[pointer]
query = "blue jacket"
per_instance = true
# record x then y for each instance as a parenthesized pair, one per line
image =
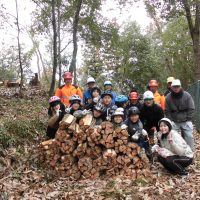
(86, 96)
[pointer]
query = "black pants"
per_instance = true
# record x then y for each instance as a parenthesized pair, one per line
(51, 132)
(175, 164)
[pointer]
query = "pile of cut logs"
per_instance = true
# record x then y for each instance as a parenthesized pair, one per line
(81, 149)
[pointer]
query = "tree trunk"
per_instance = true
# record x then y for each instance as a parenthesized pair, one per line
(59, 47)
(195, 34)
(53, 81)
(72, 67)
(19, 51)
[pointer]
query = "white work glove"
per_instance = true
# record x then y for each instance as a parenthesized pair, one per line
(58, 112)
(67, 110)
(136, 136)
(144, 133)
(85, 112)
(78, 113)
(96, 99)
(155, 148)
(108, 118)
(124, 126)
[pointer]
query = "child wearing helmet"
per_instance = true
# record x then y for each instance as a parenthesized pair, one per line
(56, 112)
(150, 115)
(95, 97)
(75, 104)
(118, 117)
(173, 151)
(108, 87)
(106, 99)
(135, 129)
(98, 112)
(87, 98)
(121, 101)
(134, 100)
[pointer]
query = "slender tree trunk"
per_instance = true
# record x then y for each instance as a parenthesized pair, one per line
(72, 67)
(53, 81)
(38, 65)
(36, 45)
(19, 50)
(194, 29)
(59, 47)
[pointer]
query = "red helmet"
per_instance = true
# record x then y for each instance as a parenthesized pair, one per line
(133, 95)
(67, 75)
(153, 83)
(53, 99)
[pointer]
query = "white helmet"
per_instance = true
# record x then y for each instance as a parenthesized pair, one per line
(118, 111)
(107, 83)
(176, 82)
(90, 80)
(148, 95)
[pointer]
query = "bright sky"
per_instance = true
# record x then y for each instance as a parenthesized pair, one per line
(8, 34)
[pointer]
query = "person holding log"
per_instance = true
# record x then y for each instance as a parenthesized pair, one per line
(135, 130)
(98, 112)
(151, 113)
(95, 96)
(56, 112)
(106, 99)
(173, 152)
(118, 117)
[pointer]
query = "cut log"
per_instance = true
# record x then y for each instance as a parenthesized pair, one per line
(66, 121)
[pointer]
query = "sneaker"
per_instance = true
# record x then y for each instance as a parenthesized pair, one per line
(183, 173)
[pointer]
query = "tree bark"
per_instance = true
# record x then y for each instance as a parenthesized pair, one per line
(72, 67)
(194, 32)
(59, 47)
(19, 51)
(55, 61)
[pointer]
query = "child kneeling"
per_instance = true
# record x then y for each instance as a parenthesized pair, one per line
(135, 130)
(173, 152)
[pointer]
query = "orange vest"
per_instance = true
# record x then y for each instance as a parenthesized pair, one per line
(66, 91)
(159, 99)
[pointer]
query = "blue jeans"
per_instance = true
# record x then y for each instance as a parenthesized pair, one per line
(187, 132)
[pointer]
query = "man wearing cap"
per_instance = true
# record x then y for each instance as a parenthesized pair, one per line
(108, 87)
(150, 115)
(158, 98)
(87, 98)
(180, 110)
(67, 90)
(169, 82)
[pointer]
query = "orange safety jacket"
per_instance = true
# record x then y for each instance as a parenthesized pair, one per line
(66, 91)
(159, 99)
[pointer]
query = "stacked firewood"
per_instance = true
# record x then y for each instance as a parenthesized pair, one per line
(81, 149)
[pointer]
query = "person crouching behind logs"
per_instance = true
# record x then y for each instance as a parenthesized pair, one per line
(173, 152)
(136, 132)
(117, 117)
(98, 112)
(56, 112)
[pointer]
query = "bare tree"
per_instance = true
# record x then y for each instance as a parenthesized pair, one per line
(19, 49)
(72, 67)
(55, 61)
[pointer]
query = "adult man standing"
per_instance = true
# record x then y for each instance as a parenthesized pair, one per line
(180, 109)
(87, 98)
(158, 98)
(67, 90)
(169, 82)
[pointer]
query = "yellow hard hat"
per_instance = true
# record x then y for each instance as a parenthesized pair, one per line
(170, 79)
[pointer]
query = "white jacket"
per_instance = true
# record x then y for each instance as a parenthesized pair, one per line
(174, 144)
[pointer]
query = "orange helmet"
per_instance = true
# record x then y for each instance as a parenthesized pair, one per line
(67, 75)
(133, 95)
(153, 83)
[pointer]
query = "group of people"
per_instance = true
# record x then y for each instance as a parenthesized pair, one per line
(160, 124)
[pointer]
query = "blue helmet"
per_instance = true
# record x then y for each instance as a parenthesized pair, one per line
(121, 99)
(107, 83)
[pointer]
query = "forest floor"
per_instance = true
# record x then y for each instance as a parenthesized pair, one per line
(22, 128)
